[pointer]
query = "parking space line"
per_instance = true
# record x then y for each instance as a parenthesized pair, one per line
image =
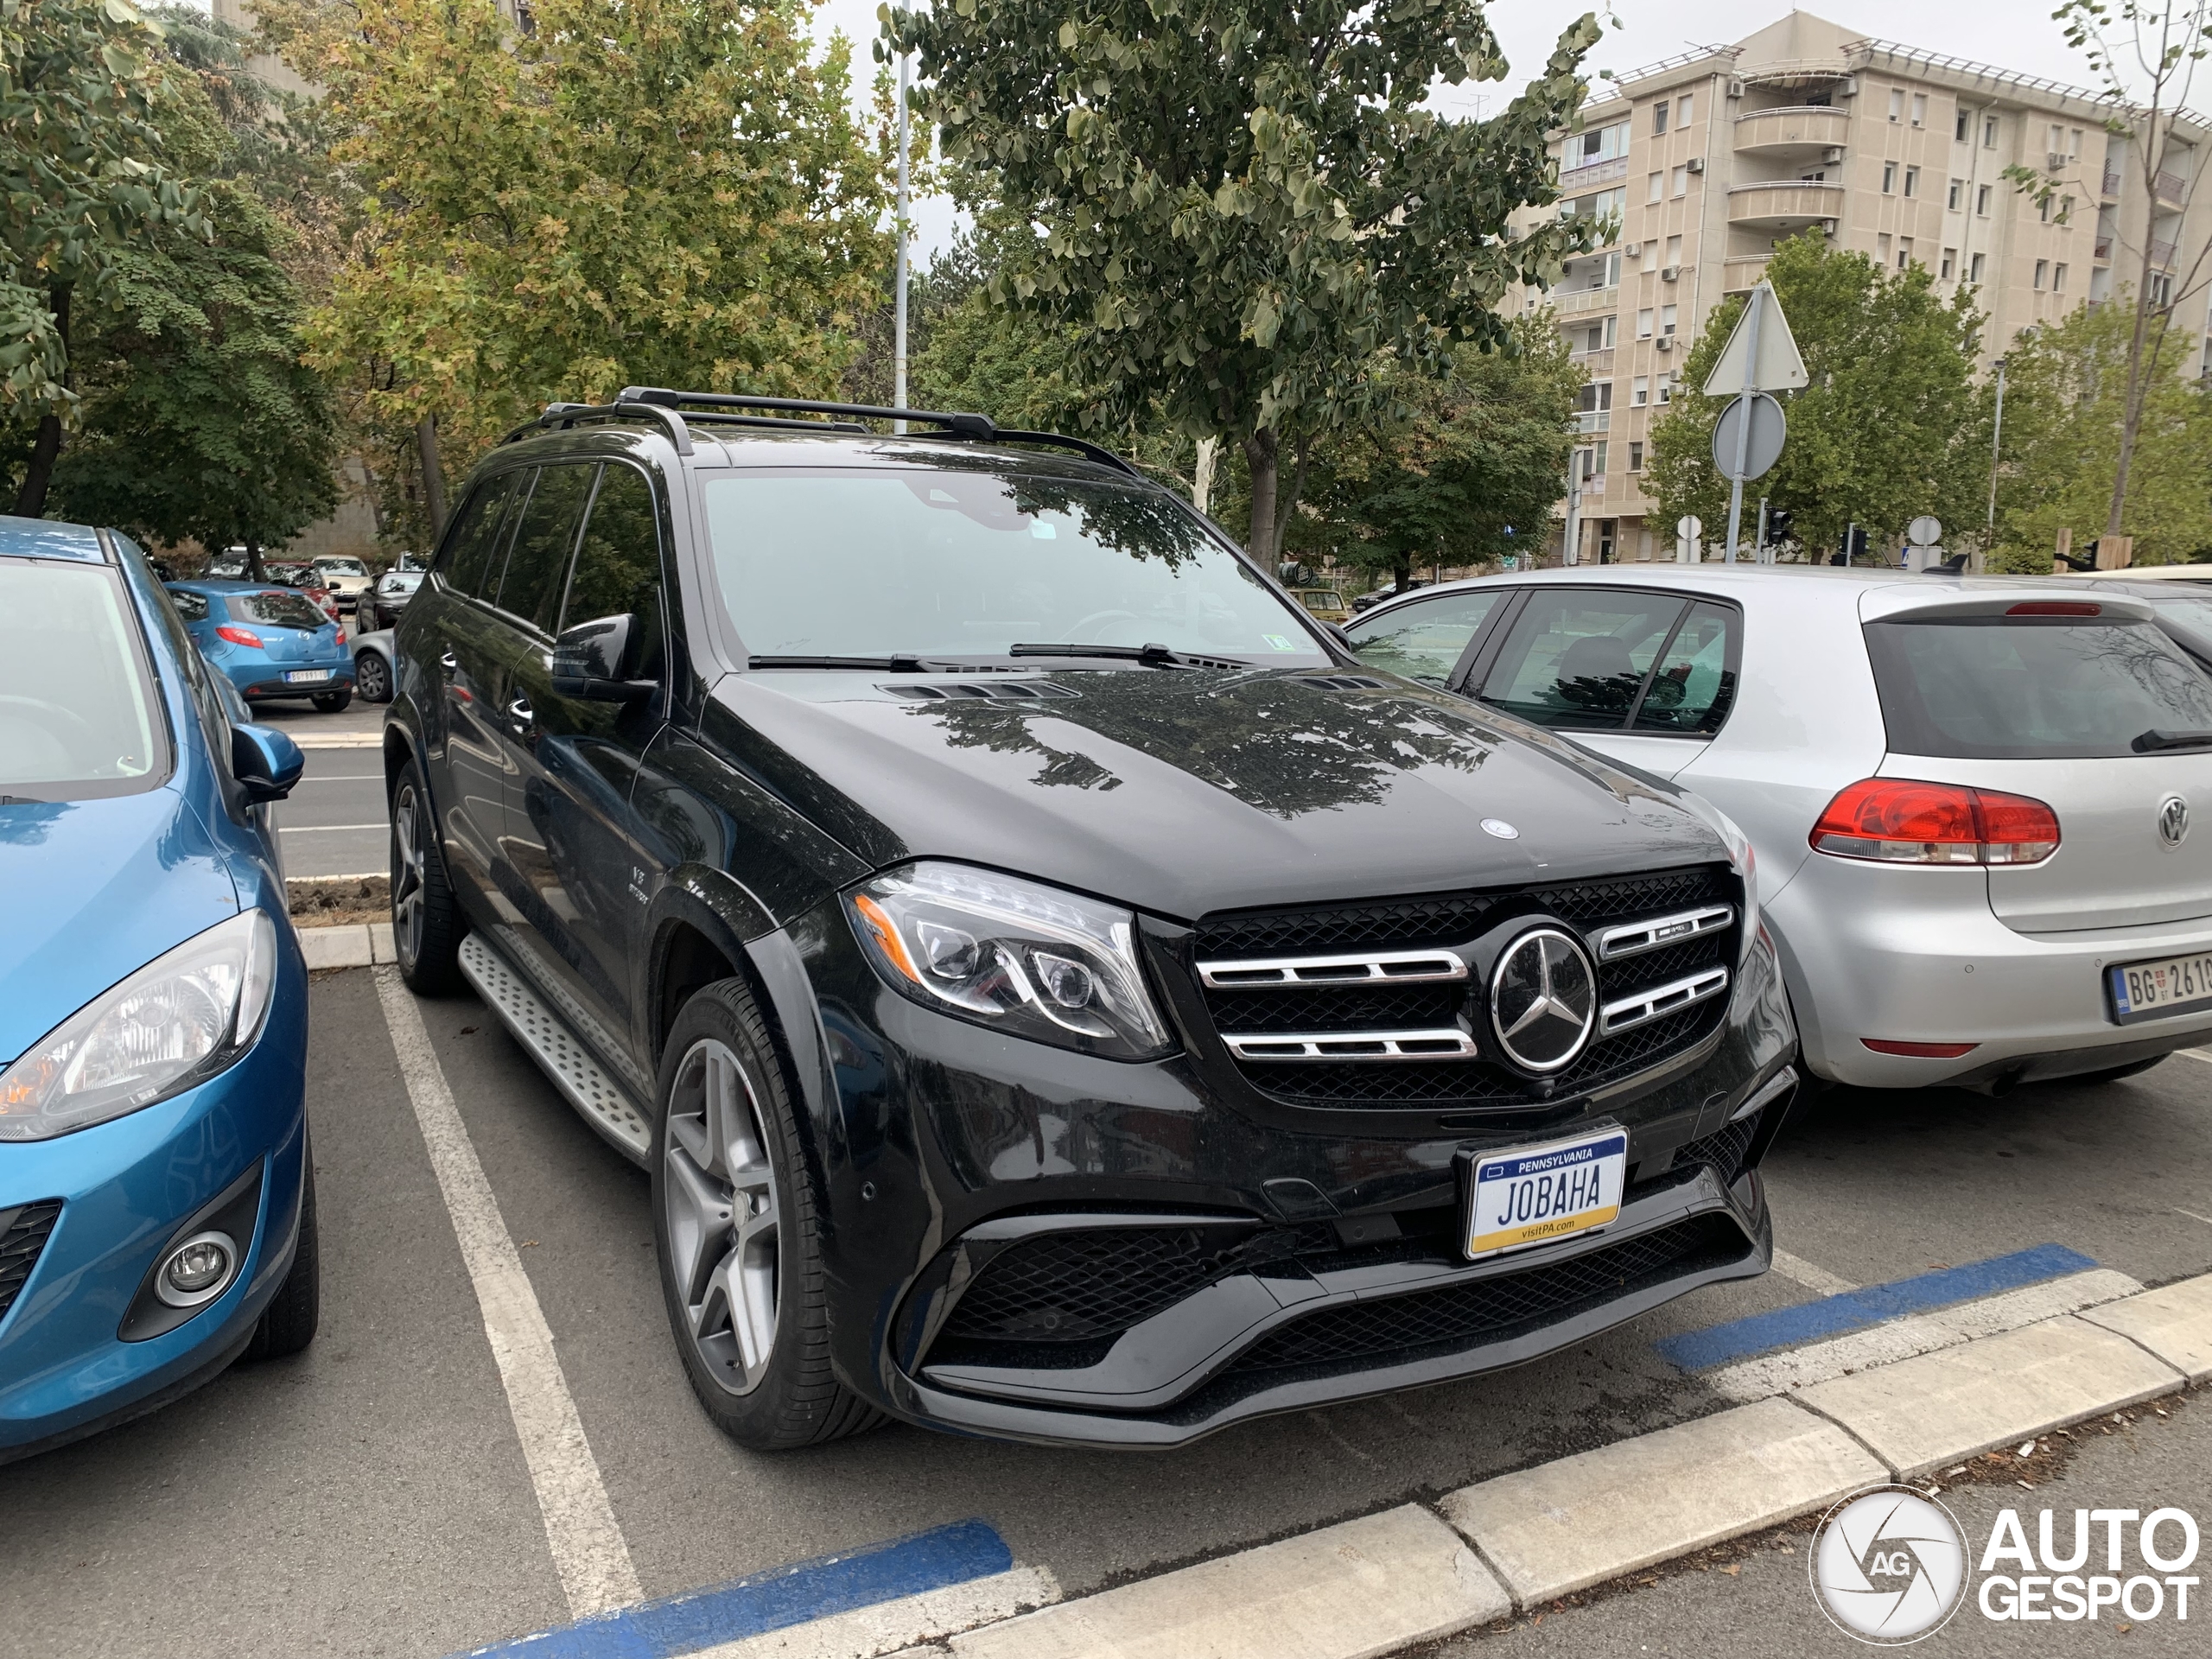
(590, 1552)
(1800, 1271)
(1696, 1350)
(319, 829)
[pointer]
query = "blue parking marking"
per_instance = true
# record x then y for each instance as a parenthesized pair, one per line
(773, 1601)
(1697, 1351)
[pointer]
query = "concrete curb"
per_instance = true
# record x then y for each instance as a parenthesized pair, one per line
(363, 944)
(337, 739)
(2175, 1324)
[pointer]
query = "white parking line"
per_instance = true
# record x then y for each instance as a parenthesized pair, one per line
(1800, 1271)
(317, 829)
(590, 1552)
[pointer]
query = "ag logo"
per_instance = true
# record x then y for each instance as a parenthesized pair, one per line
(1889, 1565)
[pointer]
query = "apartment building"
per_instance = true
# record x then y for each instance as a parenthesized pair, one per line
(1710, 160)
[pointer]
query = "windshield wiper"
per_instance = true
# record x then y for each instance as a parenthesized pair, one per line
(1150, 656)
(882, 665)
(2156, 741)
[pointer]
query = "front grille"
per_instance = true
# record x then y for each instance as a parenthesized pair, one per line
(1457, 919)
(20, 1244)
(1494, 1309)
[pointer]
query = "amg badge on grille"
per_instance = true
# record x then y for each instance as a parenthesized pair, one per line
(1543, 1000)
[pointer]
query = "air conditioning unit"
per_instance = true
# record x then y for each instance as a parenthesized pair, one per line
(1847, 87)
(1832, 154)
(1695, 164)
(1735, 89)
(1664, 343)
(1827, 228)
(1670, 273)
(1632, 251)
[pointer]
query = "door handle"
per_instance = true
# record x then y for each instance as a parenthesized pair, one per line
(450, 663)
(521, 710)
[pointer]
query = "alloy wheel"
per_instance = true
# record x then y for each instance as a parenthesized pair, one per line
(407, 912)
(723, 1213)
(372, 673)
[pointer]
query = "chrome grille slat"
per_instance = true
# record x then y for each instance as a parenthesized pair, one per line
(1450, 1043)
(1660, 1001)
(1358, 968)
(1658, 932)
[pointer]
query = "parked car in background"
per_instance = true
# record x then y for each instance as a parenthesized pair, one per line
(2160, 573)
(1056, 997)
(1323, 604)
(1971, 799)
(228, 565)
(382, 603)
(1369, 601)
(375, 662)
(347, 577)
(268, 643)
(298, 574)
(157, 1216)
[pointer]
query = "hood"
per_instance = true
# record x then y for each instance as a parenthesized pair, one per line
(93, 891)
(1182, 792)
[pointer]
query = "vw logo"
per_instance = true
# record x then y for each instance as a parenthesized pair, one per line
(1543, 1000)
(2173, 820)
(1889, 1565)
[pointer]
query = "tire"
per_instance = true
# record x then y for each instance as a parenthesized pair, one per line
(373, 677)
(426, 925)
(2091, 1079)
(288, 1322)
(736, 1226)
(333, 702)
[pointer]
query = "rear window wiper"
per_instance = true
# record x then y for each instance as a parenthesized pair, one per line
(2158, 741)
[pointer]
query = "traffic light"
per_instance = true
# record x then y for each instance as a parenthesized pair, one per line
(1853, 546)
(1777, 526)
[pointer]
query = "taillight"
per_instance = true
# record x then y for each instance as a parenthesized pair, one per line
(238, 636)
(1920, 1051)
(341, 636)
(1903, 821)
(2054, 607)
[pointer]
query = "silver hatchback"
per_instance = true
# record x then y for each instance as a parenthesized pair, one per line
(1971, 799)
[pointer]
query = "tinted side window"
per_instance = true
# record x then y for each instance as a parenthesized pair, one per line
(618, 567)
(1696, 685)
(1576, 657)
(537, 564)
(1423, 641)
(469, 542)
(192, 607)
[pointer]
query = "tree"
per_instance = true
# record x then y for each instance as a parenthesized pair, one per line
(1469, 469)
(2067, 387)
(81, 177)
(2146, 53)
(1243, 206)
(663, 192)
(1890, 425)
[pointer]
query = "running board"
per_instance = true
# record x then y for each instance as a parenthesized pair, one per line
(604, 1103)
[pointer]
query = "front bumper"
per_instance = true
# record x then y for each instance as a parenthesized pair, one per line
(1904, 953)
(125, 1188)
(940, 1143)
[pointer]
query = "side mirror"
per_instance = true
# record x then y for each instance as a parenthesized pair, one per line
(265, 762)
(594, 661)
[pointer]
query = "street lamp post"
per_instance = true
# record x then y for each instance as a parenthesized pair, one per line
(899, 303)
(1996, 439)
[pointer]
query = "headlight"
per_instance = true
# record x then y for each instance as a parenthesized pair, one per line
(1016, 956)
(176, 1022)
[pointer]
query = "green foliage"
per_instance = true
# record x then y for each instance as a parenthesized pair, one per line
(1245, 208)
(2065, 397)
(1890, 425)
(1470, 454)
(660, 192)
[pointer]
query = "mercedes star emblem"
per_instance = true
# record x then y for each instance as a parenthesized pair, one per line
(1543, 1000)
(2173, 820)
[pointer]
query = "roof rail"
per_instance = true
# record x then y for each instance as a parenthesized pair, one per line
(978, 427)
(559, 417)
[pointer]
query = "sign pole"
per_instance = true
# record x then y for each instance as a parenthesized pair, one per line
(1744, 429)
(899, 279)
(1759, 548)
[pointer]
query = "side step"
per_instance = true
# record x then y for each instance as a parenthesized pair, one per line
(605, 1104)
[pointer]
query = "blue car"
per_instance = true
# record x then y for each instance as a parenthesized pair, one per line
(157, 1199)
(268, 641)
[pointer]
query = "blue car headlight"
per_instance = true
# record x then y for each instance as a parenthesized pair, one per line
(185, 1016)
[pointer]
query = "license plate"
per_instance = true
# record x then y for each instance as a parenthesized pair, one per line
(306, 676)
(2145, 990)
(1533, 1195)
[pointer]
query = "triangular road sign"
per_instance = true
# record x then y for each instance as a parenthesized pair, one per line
(1779, 368)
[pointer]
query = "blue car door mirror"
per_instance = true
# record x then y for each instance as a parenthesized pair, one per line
(265, 762)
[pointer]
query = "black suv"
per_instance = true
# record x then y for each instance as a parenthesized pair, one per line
(1059, 994)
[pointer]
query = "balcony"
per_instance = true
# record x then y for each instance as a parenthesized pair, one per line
(1786, 205)
(2103, 254)
(2162, 255)
(1741, 275)
(1569, 303)
(2112, 181)
(1598, 365)
(1589, 177)
(1593, 420)
(2170, 187)
(1795, 130)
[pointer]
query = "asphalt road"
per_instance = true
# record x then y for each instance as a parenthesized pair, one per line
(335, 822)
(370, 1497)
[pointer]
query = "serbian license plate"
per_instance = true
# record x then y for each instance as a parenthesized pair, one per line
(1533, 1195)
(306, 676)
(2145, 990)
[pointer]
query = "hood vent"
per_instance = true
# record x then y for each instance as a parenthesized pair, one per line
(971, 691)
(1342, 682)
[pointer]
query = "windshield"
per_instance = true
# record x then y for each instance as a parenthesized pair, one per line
(278, 609)
(77, 716)
(945, 561)
(2001, 688)
(341, 567)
